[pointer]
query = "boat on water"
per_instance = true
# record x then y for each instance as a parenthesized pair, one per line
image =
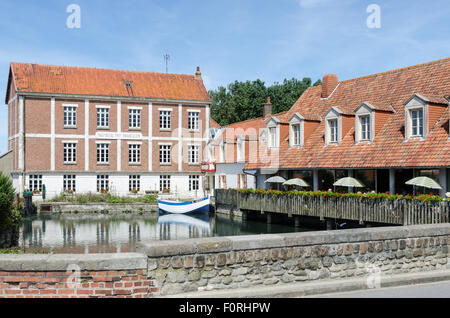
(177, 207)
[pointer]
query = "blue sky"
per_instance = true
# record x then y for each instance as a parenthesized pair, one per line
(229, 39)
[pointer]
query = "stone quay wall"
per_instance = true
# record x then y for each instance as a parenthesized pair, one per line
(110, 208)
(74, 276)
(267, 260)
(174, 267)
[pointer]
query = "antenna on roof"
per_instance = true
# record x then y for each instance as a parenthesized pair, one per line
(166, 60)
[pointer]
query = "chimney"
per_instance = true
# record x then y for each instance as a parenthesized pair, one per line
(267, 108)
(198, 74)
(329, 83)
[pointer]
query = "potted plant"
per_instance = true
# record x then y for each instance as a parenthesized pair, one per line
(36, 192)
(166, 190)
(134, 191)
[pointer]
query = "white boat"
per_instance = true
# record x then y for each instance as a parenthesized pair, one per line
(184, 220)
(177, 207)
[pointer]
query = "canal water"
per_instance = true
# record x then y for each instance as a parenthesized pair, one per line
(101, 233)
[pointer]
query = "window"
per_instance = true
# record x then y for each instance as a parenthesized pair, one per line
(240, 150)
(70, 153)
(222, 151)
(194, 183)
(134, 183)
(102, 183)
(296, 134)
(333, 124)
(35, 182)
(164, 183)
(103, 153)
(164, 154)
(134, 153)
(365, 128)
(102, 117)
(193, 154)
(272, 137)
(222, 181)
(134, 118)
(69, 182)
(70, 116)
(193, 120)
(417, 122)
(242, 181)
(164, 119)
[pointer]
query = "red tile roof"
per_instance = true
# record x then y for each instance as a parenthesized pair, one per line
(213, 123)
(388, 149)
(35, 78)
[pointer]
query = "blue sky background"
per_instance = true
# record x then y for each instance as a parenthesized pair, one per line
(229, 39)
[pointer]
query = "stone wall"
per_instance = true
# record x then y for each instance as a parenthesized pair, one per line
(244, 261)
(174, 267)
(67, 207)
(55, 276)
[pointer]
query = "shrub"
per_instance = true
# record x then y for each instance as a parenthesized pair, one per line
(9, 214)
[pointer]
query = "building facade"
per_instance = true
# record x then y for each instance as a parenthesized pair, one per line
(383, 129)
(93, 130)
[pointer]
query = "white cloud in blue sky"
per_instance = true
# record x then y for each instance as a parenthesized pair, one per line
(229, 39)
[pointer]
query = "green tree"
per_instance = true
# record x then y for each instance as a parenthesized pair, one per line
(9, 215)
(243, 100)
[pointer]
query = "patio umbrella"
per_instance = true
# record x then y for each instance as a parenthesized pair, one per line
(275, 179)
(297, 182)
(349, 182)
(425, 182)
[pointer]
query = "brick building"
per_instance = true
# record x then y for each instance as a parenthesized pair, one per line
(88, 129)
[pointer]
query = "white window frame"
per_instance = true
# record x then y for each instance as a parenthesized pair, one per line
(35, 182)
(102, 153)
(194, 183)
(102, 182)
(165, 116)
(164, 182)
(222, 151)
(366, 127)
(69, 152)
(134, 153)
(165, 152)
(70, 115)
(103, 117)
(296, 136)
(240, 149)
(194, 120)
(134, 117)
(134, 182)
(417, 123)
(193, 154)
(415, 104)
(69, 182)
(333, 115)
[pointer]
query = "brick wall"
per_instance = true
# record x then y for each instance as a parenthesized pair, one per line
(51, 276)
(26, 284)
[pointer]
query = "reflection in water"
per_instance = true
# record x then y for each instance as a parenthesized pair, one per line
(94, 233)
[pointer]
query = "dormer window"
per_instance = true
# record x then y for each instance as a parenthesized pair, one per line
(273, 132)
(416, 120)
(296, 123)
(333, 126)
